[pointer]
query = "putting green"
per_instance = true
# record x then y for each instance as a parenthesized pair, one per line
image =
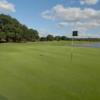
(44, 71)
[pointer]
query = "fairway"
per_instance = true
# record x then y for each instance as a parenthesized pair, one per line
(45, 71)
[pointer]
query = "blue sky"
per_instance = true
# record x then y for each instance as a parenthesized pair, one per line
(41, 15)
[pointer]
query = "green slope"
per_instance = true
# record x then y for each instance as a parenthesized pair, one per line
(44, 71)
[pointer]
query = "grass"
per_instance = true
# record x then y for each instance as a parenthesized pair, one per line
(44, 71)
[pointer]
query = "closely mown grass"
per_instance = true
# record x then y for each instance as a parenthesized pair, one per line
(45, 71)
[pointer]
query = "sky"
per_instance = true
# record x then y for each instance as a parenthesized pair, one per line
(56, 17)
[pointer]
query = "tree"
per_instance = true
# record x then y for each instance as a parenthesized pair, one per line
(43, 39)
(57, 38)
(50, 38)
(11, 30)
(64, 38)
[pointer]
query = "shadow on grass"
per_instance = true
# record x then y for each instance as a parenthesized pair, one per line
(3, 97)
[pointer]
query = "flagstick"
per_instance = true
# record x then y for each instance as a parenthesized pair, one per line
(72, 48)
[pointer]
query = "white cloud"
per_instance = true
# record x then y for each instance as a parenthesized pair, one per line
(88, 25)
(47, 15)
(89, 2)
(84, 19)
(81, 26)
(70, 14)
(6, 6)
(63, 24)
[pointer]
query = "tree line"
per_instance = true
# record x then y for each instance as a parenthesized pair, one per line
(52, 38)
(11, 30)
(60, 38)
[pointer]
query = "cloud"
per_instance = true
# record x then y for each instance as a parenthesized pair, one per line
(63, 24)
(83, 19)
(89, 2)
(47, 15)
(81, 26)
(70, 14)
(88, 25)
(6, 6)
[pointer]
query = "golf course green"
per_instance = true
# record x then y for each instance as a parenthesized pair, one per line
(45, 71)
